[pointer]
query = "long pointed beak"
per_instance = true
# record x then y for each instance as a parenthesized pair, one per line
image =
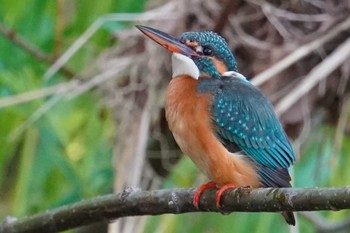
(167, 41)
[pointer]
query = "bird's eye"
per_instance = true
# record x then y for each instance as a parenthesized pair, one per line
(207, 51)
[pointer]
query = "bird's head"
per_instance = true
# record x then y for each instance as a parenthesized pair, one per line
(195, 53)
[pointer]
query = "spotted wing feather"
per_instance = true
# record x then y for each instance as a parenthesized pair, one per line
(244, 117)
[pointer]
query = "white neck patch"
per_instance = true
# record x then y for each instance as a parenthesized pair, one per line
(183, 65)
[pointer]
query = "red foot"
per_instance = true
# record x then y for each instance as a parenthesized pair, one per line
(200, 190)
(220, 192)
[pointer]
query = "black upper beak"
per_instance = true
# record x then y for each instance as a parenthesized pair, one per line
(167, 41)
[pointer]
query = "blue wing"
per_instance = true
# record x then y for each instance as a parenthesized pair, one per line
(245, 118)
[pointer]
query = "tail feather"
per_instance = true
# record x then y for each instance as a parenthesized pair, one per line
(270, 177)
(289, 217)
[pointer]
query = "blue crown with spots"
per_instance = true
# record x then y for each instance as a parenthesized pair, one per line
(219, 47)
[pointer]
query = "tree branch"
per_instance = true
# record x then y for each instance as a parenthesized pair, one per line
(317, 74)
(134, 203)
(39, 55)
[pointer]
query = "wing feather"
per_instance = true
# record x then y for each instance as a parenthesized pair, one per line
(244, 116)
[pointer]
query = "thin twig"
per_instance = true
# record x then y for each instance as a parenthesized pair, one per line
(73, 89)
(340, 132)
(320, 72)
(35, 116)
(35, 52)
(292, 16)
(300, 53)
(282, 29)
(96, 25)
(37, 94)
(105, 76)
(323, 225)
(249, 40)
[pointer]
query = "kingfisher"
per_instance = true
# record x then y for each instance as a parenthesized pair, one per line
(220, 120)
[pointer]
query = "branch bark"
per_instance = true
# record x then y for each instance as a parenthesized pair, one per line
(135, 203)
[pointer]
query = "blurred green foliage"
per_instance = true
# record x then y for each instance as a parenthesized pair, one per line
(66, 155)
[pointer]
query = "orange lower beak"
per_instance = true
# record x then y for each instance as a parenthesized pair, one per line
(169, 42)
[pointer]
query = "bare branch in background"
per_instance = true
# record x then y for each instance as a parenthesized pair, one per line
(68, 90)
(318, 73)
(300, 53)
(323, 225)
(35, 52)
(37, 94)
(95, 26)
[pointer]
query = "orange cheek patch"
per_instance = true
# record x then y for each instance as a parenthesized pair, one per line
(220, 66)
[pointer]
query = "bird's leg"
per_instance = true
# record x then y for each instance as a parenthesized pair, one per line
(220, 192)
(200, 190)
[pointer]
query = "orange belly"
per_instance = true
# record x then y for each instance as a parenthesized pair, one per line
(188, 116)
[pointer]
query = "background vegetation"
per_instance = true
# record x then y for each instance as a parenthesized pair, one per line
(59, 146)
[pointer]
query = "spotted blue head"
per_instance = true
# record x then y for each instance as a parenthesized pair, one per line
(215, 57)
(196, 53)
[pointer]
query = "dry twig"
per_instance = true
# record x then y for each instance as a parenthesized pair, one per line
(119, 17)
(318, 73)
(300, 53)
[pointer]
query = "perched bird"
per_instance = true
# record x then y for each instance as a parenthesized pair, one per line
(220, 120)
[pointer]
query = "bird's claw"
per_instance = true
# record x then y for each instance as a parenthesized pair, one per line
(220, 192)
(199, 192)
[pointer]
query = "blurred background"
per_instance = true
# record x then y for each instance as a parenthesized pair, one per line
(82, 95)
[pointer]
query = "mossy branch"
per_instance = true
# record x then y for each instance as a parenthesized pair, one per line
(176, 201)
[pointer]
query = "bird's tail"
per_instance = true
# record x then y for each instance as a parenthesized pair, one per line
(271, 177)
(289, 217)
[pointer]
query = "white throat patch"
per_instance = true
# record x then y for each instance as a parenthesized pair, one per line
(183, 65)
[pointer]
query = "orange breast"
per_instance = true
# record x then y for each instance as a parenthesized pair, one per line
(188, 116)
